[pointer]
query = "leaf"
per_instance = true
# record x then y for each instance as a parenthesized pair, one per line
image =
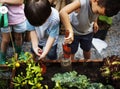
(106, 19)
(35, 80)
(30, 82)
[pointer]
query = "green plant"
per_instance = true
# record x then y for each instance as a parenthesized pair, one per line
(30, 75)
(106, 19)
(111, 68)
(71, 80)
(31, 79)
(22, 58)
(104, 22)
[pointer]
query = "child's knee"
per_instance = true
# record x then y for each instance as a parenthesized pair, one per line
(6, 41)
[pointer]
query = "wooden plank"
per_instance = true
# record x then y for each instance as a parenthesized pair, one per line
(13, 73)
(74, 60)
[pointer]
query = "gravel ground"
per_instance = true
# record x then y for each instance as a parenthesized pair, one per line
(112, 39)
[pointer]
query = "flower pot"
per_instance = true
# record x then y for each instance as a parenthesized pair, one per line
(101, 34)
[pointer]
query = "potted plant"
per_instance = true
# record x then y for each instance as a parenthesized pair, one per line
(104, 24)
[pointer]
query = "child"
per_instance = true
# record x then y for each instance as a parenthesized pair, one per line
(43, 23)
(17, 23)
(80, 17)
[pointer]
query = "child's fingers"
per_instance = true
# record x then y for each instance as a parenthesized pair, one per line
(68, 40)
(41, 58)
(40, 51)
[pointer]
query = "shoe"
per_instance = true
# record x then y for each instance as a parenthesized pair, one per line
(18, 49)
(2, 58)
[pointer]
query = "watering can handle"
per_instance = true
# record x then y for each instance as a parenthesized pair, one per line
(3, 16)
(0, 16)
(5, 20)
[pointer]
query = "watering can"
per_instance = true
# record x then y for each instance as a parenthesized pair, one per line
(3, 16)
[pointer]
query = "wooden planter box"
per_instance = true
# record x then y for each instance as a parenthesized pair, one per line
(90, 68)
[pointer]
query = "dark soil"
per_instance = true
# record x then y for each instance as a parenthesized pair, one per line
(90, 69)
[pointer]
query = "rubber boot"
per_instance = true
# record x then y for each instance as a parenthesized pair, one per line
(2, 58)
(18, 49)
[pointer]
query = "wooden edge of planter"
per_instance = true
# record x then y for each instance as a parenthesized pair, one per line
(59, 60)
(74, 60)
(3, 66)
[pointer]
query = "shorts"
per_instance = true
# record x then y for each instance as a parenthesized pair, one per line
(18, 28)
(52, 54)
(29, 26)
(85, 43)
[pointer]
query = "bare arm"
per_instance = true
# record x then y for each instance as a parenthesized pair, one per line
(12, 2)
(34, 41)
(48, 46)
(95, 26)
(64, 16)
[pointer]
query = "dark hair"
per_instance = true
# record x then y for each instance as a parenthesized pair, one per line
(112, 7)
(37, 11)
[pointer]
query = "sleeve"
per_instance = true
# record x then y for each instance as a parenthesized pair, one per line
(29, 26)
(54, 30)
(82, 2)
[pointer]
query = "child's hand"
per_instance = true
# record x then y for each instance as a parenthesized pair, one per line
(38, 51)
(69, 39)
(42, 56)
(95, 27)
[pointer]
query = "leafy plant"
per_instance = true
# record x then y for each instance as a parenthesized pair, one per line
(104, 22)
(71, 80)
(31, 75)
(16, 60)
(111, 68)
(106, 19)
(31, 79)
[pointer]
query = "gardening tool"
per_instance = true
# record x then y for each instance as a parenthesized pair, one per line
(3, 16)
(66, 61)
(3, 23)
(42, 63)
(66, 48)
(2, 58)
(42, 66)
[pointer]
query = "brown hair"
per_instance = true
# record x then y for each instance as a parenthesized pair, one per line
(112, 7)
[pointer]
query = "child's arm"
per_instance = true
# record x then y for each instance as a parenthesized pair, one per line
(34, 40)
(48, 46)
(64, 16)
(95, 26)
(12, 2)
(51, 39)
